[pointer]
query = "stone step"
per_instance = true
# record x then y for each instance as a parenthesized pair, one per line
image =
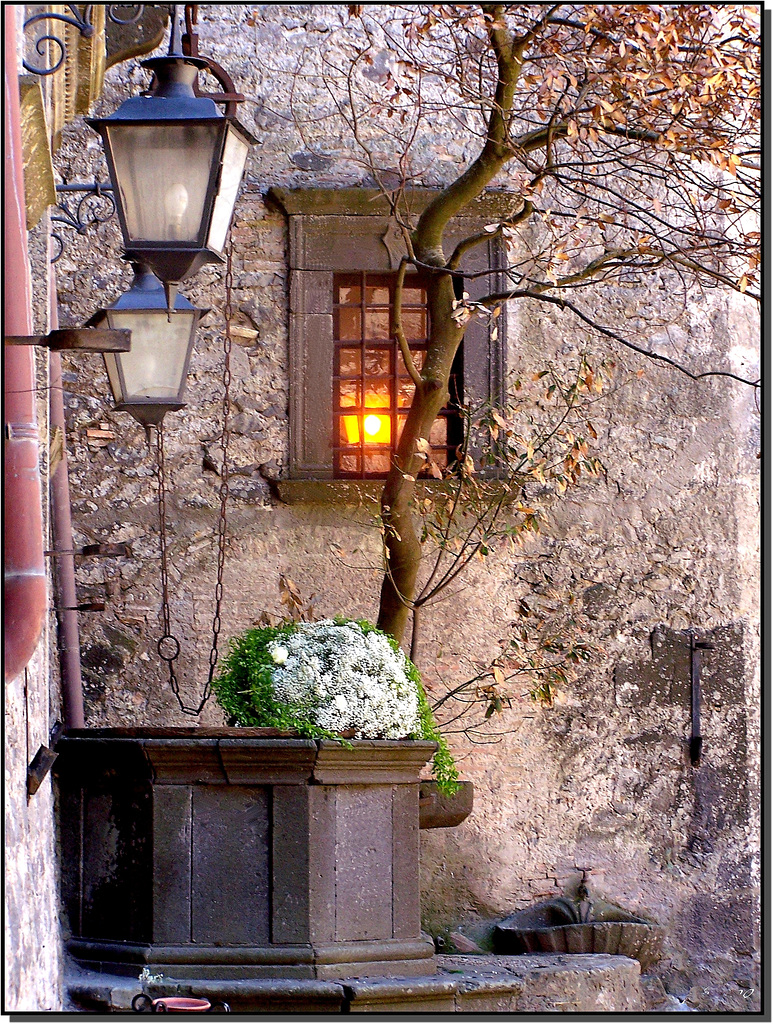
(547, 982)
(469, 983)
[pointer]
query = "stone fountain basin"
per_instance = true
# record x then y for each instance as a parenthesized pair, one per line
(552, 927)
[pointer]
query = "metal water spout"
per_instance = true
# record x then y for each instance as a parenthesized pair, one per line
(584, 902)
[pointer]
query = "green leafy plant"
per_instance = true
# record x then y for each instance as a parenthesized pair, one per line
(330, 679)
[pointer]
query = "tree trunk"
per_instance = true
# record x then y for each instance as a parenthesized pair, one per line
(402, 546)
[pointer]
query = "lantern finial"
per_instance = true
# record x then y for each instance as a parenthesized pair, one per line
(175, 39)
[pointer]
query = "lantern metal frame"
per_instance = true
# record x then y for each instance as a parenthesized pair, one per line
(173, 103)
(146, 295)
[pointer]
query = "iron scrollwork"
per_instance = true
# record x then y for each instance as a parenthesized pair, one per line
(80, 21)
(112, 14)
(79, 214)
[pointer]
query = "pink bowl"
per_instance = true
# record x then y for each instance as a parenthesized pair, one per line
(180, 1004)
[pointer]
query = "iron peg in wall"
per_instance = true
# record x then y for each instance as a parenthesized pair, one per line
(94, 550)
(43, 760)
(696, 648)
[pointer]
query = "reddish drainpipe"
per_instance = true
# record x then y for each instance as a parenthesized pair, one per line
(64, 564)
(24, 589)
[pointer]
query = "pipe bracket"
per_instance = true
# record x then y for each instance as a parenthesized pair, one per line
(83, 339)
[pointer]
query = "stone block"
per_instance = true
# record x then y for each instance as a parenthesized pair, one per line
(589, 983)
(364, 862)
(400, 995)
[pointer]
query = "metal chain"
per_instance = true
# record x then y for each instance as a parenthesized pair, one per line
(168, 645)
(225, 437)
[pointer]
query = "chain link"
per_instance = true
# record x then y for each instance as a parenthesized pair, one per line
(222, 522)
(168, 646)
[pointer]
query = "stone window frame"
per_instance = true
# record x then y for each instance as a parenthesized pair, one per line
(350, 229)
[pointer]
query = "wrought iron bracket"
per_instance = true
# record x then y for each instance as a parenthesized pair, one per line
(78, 214)
(190, 47)
(81, 21)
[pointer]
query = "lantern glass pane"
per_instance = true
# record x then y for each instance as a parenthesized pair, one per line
(113, 376)
(156, 365)
(162, 173)
(234, 159)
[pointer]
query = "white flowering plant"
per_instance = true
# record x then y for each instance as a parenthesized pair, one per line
(329, 679)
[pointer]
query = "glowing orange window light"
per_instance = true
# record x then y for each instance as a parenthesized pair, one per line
(374, 424)
(376, 428)
(351, 429)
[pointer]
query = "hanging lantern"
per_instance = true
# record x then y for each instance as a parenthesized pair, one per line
(175, 162)
(149, 380)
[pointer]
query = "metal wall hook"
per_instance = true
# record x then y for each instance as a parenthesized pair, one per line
(43, 761)
(697, 646)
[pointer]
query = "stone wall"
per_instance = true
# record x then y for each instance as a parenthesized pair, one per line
(664, 540)
(32, 939)
(32, 934)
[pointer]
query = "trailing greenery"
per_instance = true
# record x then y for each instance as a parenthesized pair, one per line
(443, 764)
(246, 688)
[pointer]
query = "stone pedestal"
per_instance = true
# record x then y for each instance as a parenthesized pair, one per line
(232, 854)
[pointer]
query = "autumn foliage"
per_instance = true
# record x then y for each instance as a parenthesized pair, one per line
(629, 133)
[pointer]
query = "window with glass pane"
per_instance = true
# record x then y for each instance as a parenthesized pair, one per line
(372, 390)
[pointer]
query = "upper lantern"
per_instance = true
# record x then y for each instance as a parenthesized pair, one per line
(175, 162)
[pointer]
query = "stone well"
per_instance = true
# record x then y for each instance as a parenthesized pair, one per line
(230, 853)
